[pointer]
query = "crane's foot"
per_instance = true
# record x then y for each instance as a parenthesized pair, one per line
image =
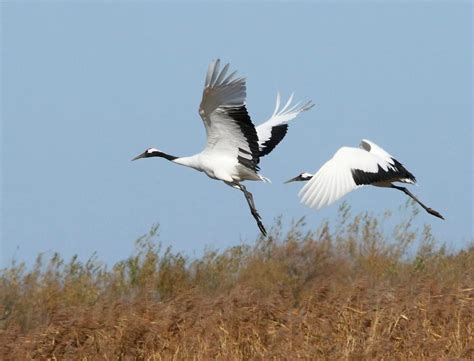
(434, 213)
(262, 229)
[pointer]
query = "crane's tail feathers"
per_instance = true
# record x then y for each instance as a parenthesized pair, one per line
(265, 179)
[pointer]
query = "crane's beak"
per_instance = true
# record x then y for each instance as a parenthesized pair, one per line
(297, 178)
(143, 155)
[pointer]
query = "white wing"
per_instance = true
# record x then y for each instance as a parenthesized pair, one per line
(274, 129)
(336, 178)
(228, 126)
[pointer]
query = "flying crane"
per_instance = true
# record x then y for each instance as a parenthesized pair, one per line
(351, 168)
(234, 145)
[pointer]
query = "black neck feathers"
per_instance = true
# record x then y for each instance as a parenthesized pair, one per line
(157, 153)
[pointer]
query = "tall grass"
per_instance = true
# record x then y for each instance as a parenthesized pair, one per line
(356, 289)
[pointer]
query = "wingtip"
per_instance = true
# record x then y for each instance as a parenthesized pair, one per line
(307, 106)
(304, 107)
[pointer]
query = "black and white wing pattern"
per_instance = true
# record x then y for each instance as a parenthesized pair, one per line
(349, 169)
(274, 129)
(397, 172)
(228, 126)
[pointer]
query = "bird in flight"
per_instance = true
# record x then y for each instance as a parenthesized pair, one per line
(351, 168)
(234, 145)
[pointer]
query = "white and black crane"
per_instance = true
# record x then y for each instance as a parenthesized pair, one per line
(351, 168)
(234, 146)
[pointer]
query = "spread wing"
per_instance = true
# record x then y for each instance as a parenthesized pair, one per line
(349, 169)
(334, 179)
(274, 129)
(228, 126)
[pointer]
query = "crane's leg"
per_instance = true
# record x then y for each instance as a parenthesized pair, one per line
(409, 194)
(253, 209)
(250, 197)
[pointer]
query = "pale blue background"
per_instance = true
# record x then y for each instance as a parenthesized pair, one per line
(86, 86)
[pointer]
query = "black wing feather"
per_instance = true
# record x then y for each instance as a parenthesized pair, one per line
(390, 175)
(242, 119)
(278, 133)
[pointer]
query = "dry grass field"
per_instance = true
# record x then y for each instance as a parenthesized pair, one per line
(358, 289)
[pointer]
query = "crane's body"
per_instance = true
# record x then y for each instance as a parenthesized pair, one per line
(233, 148)
(351, 168)
(219, 167)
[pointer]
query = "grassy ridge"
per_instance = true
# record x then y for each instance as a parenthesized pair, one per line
(345, 291)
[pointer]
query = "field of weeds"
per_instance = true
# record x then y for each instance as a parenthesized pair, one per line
(353, 290)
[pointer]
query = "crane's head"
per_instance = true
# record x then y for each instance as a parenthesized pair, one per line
(150, 152)
(303, 177)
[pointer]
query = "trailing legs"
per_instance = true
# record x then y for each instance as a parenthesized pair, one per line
(253, 209)
(409, 194)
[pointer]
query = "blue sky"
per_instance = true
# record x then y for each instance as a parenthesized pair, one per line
(86, 86)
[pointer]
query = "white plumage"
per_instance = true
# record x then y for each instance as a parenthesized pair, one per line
(334, 179)
(351, 168)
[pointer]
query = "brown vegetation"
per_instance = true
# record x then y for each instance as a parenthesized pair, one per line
(351, 291)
